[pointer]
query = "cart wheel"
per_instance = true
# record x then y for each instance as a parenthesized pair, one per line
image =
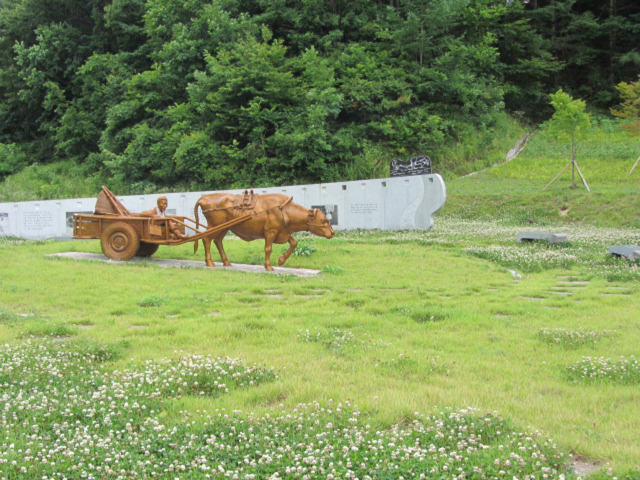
(147, 249)
(119, 241)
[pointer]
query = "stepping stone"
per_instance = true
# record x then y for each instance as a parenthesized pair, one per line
(548, 237)
(569, 287)
(632, 252)
(533, 298)
(560, 293)
(574, 282)
(582, 467)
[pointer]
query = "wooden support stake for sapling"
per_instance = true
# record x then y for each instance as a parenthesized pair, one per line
(582, 177)
(556, 177)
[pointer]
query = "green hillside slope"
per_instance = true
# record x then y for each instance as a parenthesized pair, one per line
(514, 190)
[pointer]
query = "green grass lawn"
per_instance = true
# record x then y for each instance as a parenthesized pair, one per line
(451, 353)
(400, 323)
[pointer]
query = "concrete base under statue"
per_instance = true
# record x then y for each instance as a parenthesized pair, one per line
(169, 262)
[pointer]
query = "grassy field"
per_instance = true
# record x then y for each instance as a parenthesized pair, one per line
(451, 353)
(399, 323)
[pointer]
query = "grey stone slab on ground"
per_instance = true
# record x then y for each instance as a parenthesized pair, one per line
(549, 237)
(168, 262)
(632, 252)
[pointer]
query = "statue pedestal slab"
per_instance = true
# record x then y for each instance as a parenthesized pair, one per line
(173, 263)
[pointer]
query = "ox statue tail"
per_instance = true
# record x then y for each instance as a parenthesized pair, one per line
(195, 214)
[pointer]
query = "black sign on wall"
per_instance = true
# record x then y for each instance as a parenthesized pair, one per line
(331, 212)
(415, 166)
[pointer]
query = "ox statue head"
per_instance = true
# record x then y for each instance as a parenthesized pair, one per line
(318, 224)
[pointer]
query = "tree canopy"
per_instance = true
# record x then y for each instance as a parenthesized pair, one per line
(227, 93)
(630, 107)
(570, 118)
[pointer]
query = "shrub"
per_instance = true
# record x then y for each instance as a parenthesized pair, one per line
(570, 339)
(153, 301)
(601, 369)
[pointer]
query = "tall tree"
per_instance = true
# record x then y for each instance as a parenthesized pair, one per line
(596, 42)
(44, 45)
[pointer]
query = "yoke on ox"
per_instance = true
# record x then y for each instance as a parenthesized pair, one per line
(273, 217)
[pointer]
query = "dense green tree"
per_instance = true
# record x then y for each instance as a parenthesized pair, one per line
(630, 107)
(46, 44)
(100, 83)
(595, 41)
(528, 67)
(258, 115)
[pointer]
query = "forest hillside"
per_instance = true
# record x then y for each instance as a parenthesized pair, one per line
(211, 94)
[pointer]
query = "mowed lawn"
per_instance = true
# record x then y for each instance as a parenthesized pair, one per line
(403, 322)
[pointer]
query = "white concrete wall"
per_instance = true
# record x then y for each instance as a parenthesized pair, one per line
(397, 203)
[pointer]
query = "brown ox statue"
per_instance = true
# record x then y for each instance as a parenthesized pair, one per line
(274, 217)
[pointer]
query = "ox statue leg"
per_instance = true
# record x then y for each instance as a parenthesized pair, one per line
(269, 237)
(206, 243)
(293, 243)
(218, 241)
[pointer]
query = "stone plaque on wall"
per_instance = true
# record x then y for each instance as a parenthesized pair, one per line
(37, 221)
(364, 208)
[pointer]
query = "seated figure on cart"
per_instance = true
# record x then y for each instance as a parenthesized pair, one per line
(160, 211)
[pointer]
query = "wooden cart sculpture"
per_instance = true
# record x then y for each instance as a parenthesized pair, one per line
(124, 235)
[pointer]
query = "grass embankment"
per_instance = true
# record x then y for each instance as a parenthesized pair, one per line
(514, 189)
(399, 323)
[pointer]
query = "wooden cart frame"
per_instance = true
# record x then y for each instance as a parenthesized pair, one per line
(124, 235)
